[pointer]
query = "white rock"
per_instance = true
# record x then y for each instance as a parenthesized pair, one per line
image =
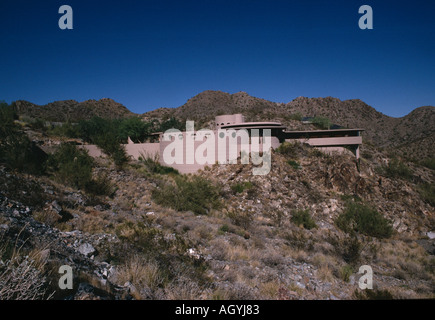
(431, 234)
(86, 249)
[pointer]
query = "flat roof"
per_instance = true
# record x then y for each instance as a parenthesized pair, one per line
(254, 125)
(325, 131)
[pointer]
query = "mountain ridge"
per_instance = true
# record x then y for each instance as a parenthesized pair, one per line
(412, 134)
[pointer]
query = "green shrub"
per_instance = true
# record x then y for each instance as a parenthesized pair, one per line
(16, 150)
(224, 228)
(241, 219)
(429, 163)
(7, 117)
(153, 165)
(427, 192)
(141, 235)
(296, 116)
(192, 193)
(110, 145)
(302, 217)
(396, 169)
(350, 250)
(358, 217)
(321, 122)
(376, 294)
(292, 149)
(67, 129)
(72, 166)
(345, 273)
(101, 186)
(241, 186)
(294, 164)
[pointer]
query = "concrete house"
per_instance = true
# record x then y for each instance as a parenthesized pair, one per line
(229, 139)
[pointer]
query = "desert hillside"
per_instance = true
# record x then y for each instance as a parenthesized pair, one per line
(139, 230)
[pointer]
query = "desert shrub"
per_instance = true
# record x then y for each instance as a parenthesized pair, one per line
(106, 135)
(429, 163)
(18, 152)
(321, 122)
(294, 164)
(16, 149)
(141, 235)
(345, 273)
(7, 117)
(110, 145)
(144, 274)
(72, 165)
(358, 217)
(241, 186)
(153, 165)
(349, 249)
(296, 116)
(241, 218)
(67, 129)
(396, 169)
(192, 193)
(22, 276)
(302, 217)
(292, 149)
(299, 238)
(224, 228)
(376, 294)
(101, 186)
(38, 124)
(183, 288)
(427, 192)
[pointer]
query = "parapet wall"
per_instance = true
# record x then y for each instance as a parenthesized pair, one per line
(228, 119)
(134, 150)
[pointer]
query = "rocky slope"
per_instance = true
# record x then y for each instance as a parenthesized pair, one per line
(129, 247)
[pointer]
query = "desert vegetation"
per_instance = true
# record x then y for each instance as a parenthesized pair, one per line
(140, 230)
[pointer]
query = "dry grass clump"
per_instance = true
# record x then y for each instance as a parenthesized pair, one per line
(327, 266)
(23, 276)
(144, 275)
(48, 217)
(409, 260)
(184, 288)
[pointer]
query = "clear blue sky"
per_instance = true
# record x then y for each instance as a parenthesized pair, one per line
(150, 54)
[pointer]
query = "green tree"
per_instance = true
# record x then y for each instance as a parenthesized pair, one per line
(134, 128)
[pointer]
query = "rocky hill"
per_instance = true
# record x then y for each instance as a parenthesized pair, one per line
(73, 111)
(410, 135)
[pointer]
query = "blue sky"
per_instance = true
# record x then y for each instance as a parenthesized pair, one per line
(150, 54)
